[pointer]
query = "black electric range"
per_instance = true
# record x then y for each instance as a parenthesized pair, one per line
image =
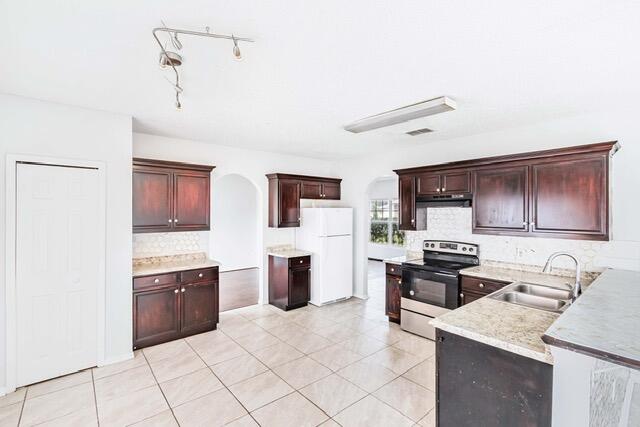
(431, 285)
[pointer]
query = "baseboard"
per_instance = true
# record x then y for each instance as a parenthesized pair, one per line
(361, 296)
(116, 359)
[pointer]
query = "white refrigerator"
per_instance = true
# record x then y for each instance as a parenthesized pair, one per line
(327, 234)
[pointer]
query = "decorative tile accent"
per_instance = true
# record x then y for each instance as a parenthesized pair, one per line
(157, 244)
(455, 224)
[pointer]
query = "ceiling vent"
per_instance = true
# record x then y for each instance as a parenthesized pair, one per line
(419, 131)
(403, 114)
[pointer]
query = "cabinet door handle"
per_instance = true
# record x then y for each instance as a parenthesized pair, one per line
(444, 189)
(170, 221)
(481, 285)
(156, 280)
(437, 190)
(461, 299)
(525, 223)
(182, 290)
(175, 291)
(200, 275)
(175, 220)
(532, 225)
(301, 261)
(392, 270)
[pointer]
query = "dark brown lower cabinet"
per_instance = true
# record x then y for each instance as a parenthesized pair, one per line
(289, 282)
(478, 384)
(473, 288)
(163, 311)
(393, 292)
(156, 316)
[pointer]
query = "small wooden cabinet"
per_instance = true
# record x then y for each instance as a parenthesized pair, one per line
(443, 183)
(170, 196)
(473, 288)
(407, 202)
(393, 291)
(174, 305)
(285, 192)
(289, 281)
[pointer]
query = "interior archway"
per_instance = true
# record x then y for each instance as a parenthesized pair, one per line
(235, 241)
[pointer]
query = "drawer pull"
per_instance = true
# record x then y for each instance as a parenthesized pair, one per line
(392, 270)
(481, 285)
(182, 290)
(156, 280)
(200, 275)
(175, 291)
(301, 261)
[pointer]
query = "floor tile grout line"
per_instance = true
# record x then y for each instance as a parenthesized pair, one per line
(24, 402)
(161, 391)
(219, 379)
(95, 398)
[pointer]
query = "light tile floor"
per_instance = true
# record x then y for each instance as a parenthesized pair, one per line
(342, 364)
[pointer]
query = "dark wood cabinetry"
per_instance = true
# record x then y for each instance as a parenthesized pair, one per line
(285, 192)
(289, 281)
(443, 183)
(475, 381)
(393, 291)
(170, 196)
(407, 202)
(174, 305)
(554, 193)
(473, 288)
(500, 199)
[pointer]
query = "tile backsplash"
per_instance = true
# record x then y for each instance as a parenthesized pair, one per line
(455, 224)
(159, 244)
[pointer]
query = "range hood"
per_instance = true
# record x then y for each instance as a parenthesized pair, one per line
(462, 200)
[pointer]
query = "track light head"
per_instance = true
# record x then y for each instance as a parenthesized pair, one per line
(170, 58)
(236, 50)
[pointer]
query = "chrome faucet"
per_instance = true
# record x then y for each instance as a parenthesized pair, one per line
(577, 287)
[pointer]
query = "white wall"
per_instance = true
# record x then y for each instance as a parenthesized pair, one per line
(251, 164)
(234, 223)
(45, 129)
(620, 125)
(383, 188)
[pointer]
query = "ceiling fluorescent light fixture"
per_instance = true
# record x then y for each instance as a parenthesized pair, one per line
(403, 114)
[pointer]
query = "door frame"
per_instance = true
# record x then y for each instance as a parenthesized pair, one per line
(10, 255)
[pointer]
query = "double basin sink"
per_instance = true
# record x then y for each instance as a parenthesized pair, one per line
(535, 296)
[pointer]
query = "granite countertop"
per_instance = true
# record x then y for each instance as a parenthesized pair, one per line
(289, 253)
(603, 322)
(511, 327)
(170, 263)
(562, 280)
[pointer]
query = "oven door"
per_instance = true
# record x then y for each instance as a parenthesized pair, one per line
(429, 287)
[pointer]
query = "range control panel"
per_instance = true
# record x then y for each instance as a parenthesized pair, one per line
(450, 247)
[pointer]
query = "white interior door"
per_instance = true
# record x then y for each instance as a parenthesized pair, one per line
(57, 270)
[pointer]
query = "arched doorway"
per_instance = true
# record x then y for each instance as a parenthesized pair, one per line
(235, 240)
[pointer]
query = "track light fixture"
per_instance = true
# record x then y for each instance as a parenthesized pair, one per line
(173, 59)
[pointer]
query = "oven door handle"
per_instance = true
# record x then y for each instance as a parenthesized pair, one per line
(445, 274)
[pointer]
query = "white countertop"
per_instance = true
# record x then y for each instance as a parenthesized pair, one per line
(604, 322)
(289, 253)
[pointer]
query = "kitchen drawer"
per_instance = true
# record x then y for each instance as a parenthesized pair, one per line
(466, 297)
(480, 285)
(393, 269)
(201, 275)
(301, 261)
(152, 281)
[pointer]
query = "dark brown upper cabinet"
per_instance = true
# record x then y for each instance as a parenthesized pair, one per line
(500, 200)
(443, 183)
(170, 196)
(407, 202)
(285, 192)
(560, 193)
(569, 196)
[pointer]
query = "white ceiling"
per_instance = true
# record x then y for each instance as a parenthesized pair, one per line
(316, 66)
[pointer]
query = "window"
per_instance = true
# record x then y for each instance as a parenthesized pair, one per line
(385, 229)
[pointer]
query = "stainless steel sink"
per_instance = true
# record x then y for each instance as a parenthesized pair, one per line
(542, 291)
(534, 296)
